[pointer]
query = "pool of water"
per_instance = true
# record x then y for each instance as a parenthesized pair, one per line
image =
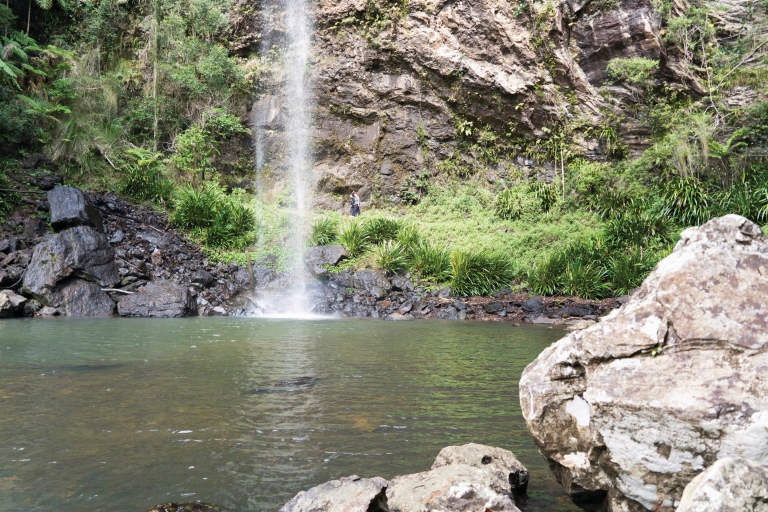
(119, 415)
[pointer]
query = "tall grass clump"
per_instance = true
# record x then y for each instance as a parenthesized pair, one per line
(391, 256)
(381, 229)
(353, 237)
(626, 270)
(480, 273)
(584, 279)
(431, 261)
(409, 236)
(324, 231)
(225, 221)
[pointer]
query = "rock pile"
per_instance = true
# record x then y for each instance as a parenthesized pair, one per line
(463, 478)
(372, 293)
(106, 251)
(629, 411)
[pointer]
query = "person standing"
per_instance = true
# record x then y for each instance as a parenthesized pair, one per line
(355, 209)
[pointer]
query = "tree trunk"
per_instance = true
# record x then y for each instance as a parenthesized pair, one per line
(155, 52)
(29, 15)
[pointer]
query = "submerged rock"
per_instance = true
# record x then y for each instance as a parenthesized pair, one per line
(351, 494)
(70, 208)
(81, 252)
(159, 299)
(728, 485)
(184, 507)
(627, 412)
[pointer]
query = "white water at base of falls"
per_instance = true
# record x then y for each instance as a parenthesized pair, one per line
(295, 300)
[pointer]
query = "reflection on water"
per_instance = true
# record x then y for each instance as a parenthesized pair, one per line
(119, 415)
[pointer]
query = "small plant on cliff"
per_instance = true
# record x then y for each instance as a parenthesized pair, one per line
(480, 273)
(391, 256)
(325, 231)
(353, 237)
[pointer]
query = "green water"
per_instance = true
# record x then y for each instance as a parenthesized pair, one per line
(120, 415)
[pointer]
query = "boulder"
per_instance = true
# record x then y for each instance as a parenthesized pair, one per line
(502, 462)
(70, 208)
(317, 258)
(454, 488)
(728, 485)
(203, 278)
(159, 299)
(534, 305)
(374, 282)
(46, 180)
(81, 298)
(5, 246)
(494, 307)
(82, 252)
(579, 311)
(10, 303)
(351, 494)
(627, 412)
(402, 284)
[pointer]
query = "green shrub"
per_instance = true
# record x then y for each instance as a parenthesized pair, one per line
(584, 279)
(626, 270)
(353, 237)
(638, 227)
(409, 236)
(381, 229)
(325, 231)
(432, 262)
(545, 277)
(688, 200)
(534, 197)
(391, 256)
(145, 177)
(480, 273)
(225, 220)
(196, 208)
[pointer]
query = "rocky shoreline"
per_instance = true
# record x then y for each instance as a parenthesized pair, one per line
(146, 268)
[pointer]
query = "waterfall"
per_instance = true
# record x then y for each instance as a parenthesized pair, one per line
(295, 106)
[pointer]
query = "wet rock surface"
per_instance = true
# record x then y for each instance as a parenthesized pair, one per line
(627, 412)
(184, 507)
(728, 485)
(70, 208)
(79, 252)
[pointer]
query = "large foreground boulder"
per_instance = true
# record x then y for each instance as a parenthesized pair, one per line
(317, 259)
(78, 252)
(729, 485)
(351, 494)
(70, 208)
(159, 299)
(629, 411)
(81, 298)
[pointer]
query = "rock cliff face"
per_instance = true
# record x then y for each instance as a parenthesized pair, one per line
(399, 85)
(629, 411)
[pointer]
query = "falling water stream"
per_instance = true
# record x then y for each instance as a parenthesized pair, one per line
(296, 106)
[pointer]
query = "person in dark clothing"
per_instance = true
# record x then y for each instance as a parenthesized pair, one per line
(355, 209)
